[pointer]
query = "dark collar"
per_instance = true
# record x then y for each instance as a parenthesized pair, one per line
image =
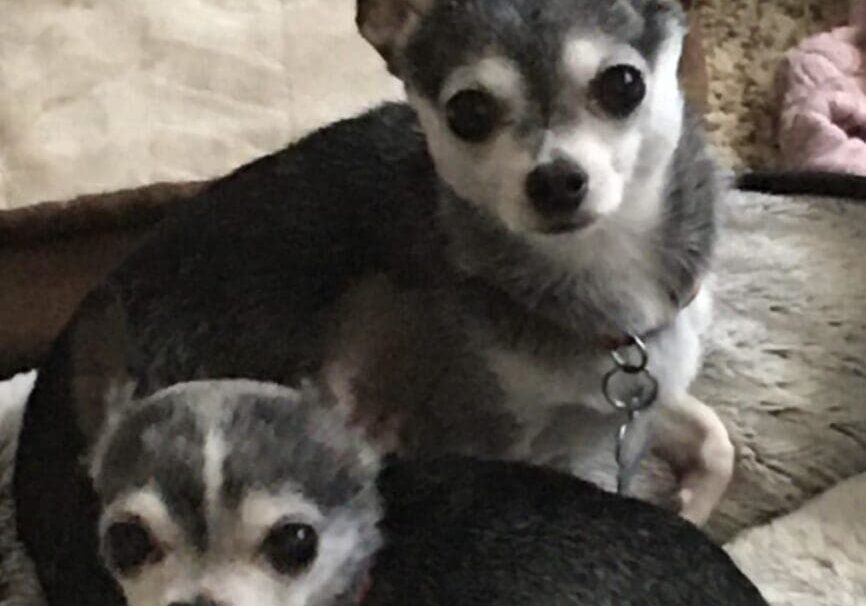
(364, 589)
(612, 342)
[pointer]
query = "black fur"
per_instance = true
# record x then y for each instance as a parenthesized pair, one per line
(470, 533)
(457, 531)
(234, 285)
(269, 249)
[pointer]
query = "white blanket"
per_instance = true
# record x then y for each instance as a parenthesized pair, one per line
(815, 556)
(99, 95)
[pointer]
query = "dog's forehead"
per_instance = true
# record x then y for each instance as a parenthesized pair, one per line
(531, 35)
(268, 449)
(160, 445)
(230, 441)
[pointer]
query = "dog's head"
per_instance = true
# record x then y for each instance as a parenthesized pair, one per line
(233, 493)
(547, 114)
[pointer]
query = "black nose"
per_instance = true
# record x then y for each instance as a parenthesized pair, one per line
(557, 187)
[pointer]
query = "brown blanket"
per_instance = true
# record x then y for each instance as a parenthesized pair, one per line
(52, 254)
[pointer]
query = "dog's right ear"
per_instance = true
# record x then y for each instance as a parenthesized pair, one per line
(387, 24)
(99, 345)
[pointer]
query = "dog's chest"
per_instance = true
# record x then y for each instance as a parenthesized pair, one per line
(533, 386)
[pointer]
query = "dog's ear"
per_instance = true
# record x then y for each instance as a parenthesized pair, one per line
(667, 14)
(98, 342)
(664, 27)
(387, 24)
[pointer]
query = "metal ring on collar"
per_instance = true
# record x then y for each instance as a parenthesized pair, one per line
(618, 404)
(605, 389)
(623, 362)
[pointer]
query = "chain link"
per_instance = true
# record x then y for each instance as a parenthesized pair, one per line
(630, 362)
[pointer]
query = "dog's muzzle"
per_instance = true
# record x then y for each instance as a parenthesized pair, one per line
(557, 189)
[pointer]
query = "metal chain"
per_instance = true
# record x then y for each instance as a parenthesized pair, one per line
(630, 363)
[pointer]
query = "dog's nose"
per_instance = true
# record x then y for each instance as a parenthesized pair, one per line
(557, 187)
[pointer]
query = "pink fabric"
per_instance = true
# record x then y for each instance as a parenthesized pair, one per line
(822, 88)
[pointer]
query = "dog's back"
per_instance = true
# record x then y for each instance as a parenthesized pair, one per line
(511, 535)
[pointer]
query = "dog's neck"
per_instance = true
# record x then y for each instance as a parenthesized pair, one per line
(617, 280)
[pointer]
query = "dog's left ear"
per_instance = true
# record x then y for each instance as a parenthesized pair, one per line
(665, 26)
(387, 24)
(668, 15)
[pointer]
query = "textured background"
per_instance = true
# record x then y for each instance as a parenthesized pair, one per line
(744, 41)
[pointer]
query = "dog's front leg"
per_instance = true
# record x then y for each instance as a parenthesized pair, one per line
(690, 436)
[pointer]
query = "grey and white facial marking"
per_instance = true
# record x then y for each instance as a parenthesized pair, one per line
(235, 493)
(547, 115)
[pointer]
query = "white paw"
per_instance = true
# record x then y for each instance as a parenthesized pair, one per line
(702, 487)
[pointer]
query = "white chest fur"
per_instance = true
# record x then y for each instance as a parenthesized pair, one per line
(537, 389)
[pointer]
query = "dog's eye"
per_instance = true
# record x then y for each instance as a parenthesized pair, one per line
(619, 90)
(472, 115)
(290, 547)
(129, 545)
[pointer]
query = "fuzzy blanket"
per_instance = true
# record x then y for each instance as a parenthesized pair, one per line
(822, 119)
(100, 95)
(785, 369)
(815, 556)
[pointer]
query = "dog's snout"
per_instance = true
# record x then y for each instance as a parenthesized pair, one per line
(557, 187)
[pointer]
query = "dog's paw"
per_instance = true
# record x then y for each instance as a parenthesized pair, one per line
(693, 439)
(702, 487)
(690, 508)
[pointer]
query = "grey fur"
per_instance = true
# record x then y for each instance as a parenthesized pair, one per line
(526, 300)
(454, 32)
(161, 440)
(159, 443)
(275, 439)
(260, 456)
